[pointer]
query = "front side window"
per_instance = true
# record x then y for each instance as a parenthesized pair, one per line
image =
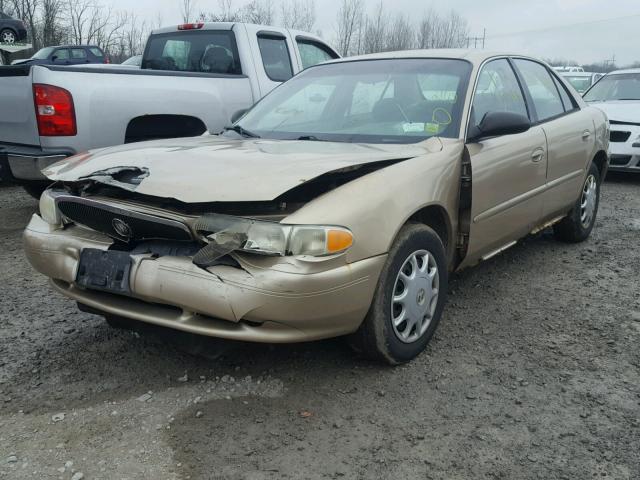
(497, 91)
(275, 57)
(619, 86)
(204, 51)
(313, 53)
(377, 101)
(542, 89)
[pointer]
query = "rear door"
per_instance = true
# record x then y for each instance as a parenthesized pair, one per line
(570, 134)
(509, 172)
(78, 56)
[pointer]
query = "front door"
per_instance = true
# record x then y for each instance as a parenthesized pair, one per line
(508, 172)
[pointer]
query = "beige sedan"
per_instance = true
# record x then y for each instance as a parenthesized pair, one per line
(338, 205)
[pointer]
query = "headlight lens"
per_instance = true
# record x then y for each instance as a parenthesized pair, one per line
(271, 238)
(48, 209)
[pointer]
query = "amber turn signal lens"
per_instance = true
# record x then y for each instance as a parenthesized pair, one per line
(338, 240)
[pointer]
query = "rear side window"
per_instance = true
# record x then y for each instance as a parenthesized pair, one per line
(542, 89)
(78, 53)
(204, 51)
(97, 52)
(275, 57)
(497, 91)
(313, 53)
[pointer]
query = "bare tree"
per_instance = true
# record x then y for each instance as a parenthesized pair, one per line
(350, 18)
(298, 14)
(438, 31)
(400, 35)
(50, 28)
(259, 11)
(187, 9)
(374, 32)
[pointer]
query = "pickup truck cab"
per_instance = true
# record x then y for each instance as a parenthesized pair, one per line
(192, 79)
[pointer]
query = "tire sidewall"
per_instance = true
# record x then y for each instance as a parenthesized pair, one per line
(585, 232)
(410, 240)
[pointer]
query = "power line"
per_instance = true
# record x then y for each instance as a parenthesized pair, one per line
(556, 27)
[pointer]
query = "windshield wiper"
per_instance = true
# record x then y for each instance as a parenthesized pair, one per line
(241, 131)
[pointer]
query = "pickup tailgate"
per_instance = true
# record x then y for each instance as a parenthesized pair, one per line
(18, 123)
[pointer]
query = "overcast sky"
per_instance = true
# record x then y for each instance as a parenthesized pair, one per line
(584, 30)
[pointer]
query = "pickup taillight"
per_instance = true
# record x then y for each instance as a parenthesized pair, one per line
(55, 111)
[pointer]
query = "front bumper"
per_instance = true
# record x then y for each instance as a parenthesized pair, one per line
(624, 148)
(289, 301)
(27, 163)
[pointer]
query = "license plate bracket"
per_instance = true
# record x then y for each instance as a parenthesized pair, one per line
(104, 270)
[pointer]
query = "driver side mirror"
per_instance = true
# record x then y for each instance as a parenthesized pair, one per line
(238, 115)
(496, 124)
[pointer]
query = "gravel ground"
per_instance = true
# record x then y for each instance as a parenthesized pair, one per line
(533, 374)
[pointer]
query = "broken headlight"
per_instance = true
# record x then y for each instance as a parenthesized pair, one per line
(48, 208)
(227, 233)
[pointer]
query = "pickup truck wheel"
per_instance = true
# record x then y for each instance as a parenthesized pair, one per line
(409, 298)
(7, 36)
(576, 227)
(35, 189)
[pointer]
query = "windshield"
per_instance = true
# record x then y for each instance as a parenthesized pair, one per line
(43, 53)
(379, 101)
(620, 86)
(581, 84)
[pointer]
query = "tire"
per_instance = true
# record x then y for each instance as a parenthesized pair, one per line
(35, 189)
(8, 36)
(424, 296)
(577, 226)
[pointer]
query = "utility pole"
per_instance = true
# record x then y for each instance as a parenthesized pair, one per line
(478, 40)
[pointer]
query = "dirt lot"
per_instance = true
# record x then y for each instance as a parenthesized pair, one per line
(534, 373)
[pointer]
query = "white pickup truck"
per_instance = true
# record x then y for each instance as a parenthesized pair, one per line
(193, 78)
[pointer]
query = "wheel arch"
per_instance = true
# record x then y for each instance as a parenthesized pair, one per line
(435, 216)
(153, 127)
(601, 161)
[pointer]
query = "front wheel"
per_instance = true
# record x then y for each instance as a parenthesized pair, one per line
(7, 36)
(577, 226)
(409, 298)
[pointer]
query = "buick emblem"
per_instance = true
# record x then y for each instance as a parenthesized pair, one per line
(122, 228)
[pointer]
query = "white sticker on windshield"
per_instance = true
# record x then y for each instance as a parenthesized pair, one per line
(413, 127)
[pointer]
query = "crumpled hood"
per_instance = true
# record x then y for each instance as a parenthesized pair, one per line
(218, 169)
(620, 110)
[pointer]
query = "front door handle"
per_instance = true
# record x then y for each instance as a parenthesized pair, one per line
(537, 155)
(586, 135)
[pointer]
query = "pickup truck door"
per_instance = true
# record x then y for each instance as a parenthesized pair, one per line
(570, 135)
(508, 172)
(274, 56)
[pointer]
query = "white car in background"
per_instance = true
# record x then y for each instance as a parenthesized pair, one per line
(582, 81)
(618, 95)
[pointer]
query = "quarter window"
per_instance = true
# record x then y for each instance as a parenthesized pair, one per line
(542, 89)
(568, 102)
(275, 57)
(313, 53)
(497, 91)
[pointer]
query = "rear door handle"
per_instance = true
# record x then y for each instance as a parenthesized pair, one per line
(586, 135)
(537, 155)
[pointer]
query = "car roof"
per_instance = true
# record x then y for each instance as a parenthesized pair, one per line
(471, 55)
(73, 46)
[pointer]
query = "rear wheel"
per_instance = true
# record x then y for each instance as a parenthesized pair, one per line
(8, 36)
(409, 298)
(577, 226)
